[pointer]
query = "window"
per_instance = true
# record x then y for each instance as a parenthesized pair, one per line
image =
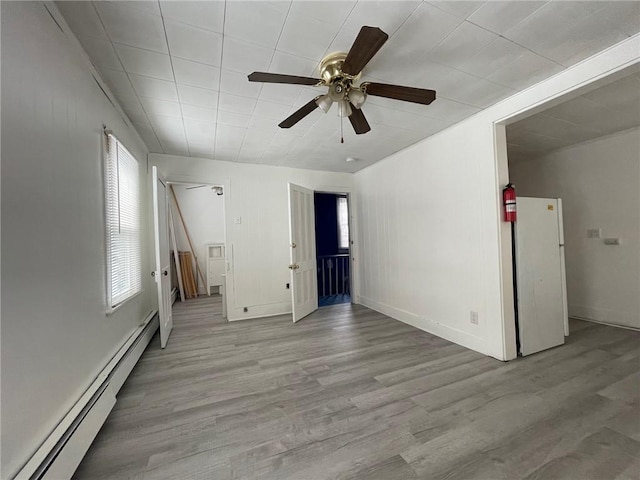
(122, 198)
(343, 224)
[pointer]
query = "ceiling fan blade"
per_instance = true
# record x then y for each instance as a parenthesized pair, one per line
(397, 92)
(299, 114)
(358, 121)
(365, 46)
(279, 78)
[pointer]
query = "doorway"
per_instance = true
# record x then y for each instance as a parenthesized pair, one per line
(332, 248)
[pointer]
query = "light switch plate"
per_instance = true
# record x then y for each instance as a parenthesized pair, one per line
(474, 318)
(612, 241)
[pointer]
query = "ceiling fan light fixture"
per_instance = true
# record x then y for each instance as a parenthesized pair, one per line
(345, 109)
(324, 102)
(357, 97)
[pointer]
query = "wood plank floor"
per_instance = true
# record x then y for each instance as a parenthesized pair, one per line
(351, 393)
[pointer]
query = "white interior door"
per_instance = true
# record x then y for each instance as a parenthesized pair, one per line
(539, 274)
(302, 237)
(161, 273)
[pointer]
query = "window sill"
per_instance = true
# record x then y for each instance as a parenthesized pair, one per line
(113, 310)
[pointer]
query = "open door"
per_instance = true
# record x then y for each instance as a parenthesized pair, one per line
(302, 237)
(161, 273)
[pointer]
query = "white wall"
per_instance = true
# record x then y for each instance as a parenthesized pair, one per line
(56, 336)
(599, 183)
(203, 213)
(434, 247)
(258, 247)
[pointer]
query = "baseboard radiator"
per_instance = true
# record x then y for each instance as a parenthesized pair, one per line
(61, 453)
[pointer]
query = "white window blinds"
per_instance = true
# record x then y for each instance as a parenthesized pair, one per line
(123, 223)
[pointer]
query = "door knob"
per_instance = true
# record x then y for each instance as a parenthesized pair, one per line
(165, 273)
(294, 266)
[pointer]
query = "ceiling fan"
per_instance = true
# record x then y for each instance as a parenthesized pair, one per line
(341, 72)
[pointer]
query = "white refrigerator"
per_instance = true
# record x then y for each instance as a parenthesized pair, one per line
(541, 293)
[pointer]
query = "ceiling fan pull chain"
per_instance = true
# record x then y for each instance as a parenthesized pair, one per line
(341, 124)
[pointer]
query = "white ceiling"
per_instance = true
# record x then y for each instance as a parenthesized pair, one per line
(609, 109)
(179, 69)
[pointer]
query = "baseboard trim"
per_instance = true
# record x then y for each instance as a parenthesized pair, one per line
(617, 325)
(61, 452)
(430, 326)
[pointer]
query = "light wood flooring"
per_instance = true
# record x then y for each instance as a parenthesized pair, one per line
(351, 393)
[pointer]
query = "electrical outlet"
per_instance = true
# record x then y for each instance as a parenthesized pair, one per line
(237, 220)
(474, 317)
(594, 233)
(612, 241)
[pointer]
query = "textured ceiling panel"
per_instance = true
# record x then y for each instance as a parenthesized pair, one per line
(179, 69)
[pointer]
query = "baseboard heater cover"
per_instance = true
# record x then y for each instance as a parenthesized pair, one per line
(59, 456)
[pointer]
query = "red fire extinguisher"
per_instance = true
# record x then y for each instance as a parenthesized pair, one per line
(509, 200)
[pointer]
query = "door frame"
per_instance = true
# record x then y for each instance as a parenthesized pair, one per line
(354, 285)
(501, 165)
(158, 273)
(228, 250)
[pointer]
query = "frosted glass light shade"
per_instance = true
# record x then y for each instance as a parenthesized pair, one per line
(357, 97)
(345, 109)
(324, 103)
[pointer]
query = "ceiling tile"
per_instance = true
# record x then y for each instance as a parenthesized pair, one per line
(208, 15)
(82, 19)
(327, 11)
(196, 74)
(154, 88)
(271, 110)
(201, 151)
(413, 41)
(526, 70)
(168, 129)
(306, 37)
(245, 57)
(388, 16)
(236, 104)
(493, 57)
(280, 93)
(200, 114)
(145, 62)
(198, 96)
(293, 65)
(561, 129)
(622, 16)
(153, 106)
(623, 94)
(547, 23)
(200, 133)
(118, 82)
(501, 16)
(101, 52)
(238, 84)
(139, 118)
(233, 119)
(461, 9)
(450, 110)
(581, 39)
(193, 43)
(470, 90)
(132, 27)
(149, 138)
(256, 22)
(464, 42)
(146, 6)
